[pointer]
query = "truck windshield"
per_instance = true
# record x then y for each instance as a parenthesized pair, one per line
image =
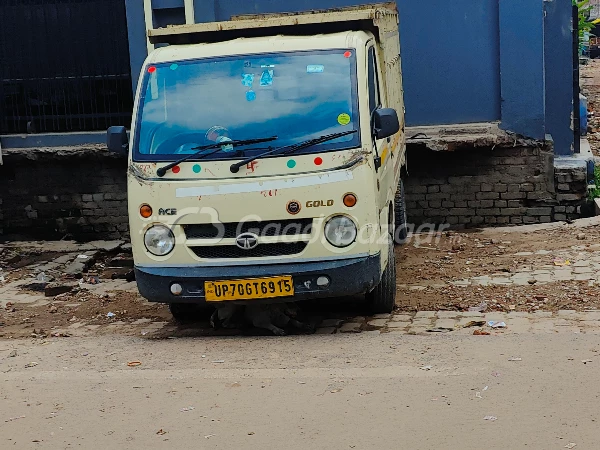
(294, 96)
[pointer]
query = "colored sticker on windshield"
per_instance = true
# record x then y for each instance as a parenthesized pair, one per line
(173, 66)
(247, 79)
(266, 79)
(250, 96)
(344, 119)
(315, 68)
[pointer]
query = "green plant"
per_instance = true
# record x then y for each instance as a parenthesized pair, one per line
(584, 26)
(595, 192)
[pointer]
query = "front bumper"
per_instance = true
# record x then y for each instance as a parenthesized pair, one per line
(348, 277)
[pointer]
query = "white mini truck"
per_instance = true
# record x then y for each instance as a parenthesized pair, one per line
(265, 160)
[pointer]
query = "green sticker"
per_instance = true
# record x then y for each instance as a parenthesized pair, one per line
(291, 163)
(174, 66)
(196, 168)
(344, 119)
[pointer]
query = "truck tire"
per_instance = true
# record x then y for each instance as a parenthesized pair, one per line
(382, 299)
(184, 312)
(401, 230)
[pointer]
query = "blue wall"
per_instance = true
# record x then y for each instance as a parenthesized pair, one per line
(522, 67)
(136, 31)
(450, 61)
(449, 53)
(463, 61)
(559, 75)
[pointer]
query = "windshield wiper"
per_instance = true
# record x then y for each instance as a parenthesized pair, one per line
(235, 168)
(218, 145)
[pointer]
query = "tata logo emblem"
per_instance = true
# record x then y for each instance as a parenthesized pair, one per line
(167, 212)
(293, 207)
(247, 241)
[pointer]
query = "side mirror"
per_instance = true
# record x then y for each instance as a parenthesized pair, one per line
(117, 140)
(385, 123)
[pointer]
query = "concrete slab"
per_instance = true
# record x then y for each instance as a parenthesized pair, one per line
(326, 330)
(398, 325)
(351, 327)
(378, 322)
(402, 318)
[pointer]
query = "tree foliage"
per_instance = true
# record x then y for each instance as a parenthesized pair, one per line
(584, 9)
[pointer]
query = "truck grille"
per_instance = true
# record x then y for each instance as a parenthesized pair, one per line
(262, 251)
(293, 227)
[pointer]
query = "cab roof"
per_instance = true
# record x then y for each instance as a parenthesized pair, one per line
(258, 45)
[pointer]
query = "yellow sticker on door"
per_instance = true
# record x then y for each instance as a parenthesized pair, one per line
(344, 119)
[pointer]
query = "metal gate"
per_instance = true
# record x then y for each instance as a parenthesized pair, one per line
(64, 65)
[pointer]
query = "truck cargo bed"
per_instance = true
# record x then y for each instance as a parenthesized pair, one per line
(367, 17)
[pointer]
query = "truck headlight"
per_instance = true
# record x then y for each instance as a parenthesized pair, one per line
(340, 231)
(159, 240)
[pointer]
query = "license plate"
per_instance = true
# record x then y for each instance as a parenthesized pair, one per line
(221, 291)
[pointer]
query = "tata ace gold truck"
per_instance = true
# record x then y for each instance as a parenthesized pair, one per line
(265, 160)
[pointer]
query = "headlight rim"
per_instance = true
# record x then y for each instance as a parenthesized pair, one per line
(340, 216)
(171, 234)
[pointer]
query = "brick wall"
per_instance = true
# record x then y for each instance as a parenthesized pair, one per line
(80, 194)
(485, 186)
(571, 191)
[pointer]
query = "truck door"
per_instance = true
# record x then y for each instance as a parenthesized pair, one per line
(377, 99)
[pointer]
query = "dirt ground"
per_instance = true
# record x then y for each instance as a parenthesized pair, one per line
(490, 270)
(432, 267)
(434, 392)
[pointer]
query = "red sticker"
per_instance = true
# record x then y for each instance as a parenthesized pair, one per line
(318, 161)
(151, 69)
(347, 54)
(176, 169)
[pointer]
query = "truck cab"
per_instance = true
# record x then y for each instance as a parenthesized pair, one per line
(265, 159)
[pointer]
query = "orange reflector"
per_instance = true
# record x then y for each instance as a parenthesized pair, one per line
(145, 211)
(350, 200)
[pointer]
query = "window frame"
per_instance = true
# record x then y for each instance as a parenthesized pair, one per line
(373, 77)
(137, 156)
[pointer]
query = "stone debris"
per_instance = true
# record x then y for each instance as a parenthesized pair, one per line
(58, 288)
(81, 264)
(120, 262)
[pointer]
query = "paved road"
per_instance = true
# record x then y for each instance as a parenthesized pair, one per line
(340, 391)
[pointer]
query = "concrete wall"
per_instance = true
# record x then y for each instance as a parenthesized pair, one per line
(559, 74)
(447, 49)
(522, 68)
(463, 61)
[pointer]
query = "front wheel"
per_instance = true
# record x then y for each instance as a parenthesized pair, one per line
(382, 299)
(188, 312)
